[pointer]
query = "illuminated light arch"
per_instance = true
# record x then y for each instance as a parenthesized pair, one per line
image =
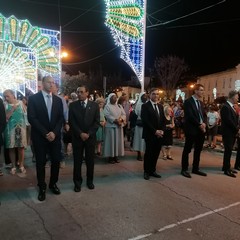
(25, 52)
(127, 22)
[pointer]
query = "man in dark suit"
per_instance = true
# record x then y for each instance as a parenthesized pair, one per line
(84, 120)
(2, 127)
(195, 120)
(230, 129)
(45, 114)
(153, 129)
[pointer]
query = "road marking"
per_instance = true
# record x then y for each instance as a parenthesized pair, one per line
(186, 221)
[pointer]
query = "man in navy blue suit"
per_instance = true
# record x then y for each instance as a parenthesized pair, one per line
(153, 130)
(230, 130)
(45, 114)
(195, 120)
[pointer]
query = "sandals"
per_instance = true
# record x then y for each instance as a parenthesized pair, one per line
(22, 169)
(13, 171)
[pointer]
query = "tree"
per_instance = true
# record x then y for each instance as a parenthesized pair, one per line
(71, 83)
(169, 71)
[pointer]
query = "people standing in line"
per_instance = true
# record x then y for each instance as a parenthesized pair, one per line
(230, 130)
(45, 114)
(178, 120)
(15, 134)
(168, 133)
(67, 135)
(65, 127)
(195, 120)
(212, 127)
(126, 106)
(101, 129)
(2, 127)
(153, 130)
(114, 137)
(84, 120)
(138, 141)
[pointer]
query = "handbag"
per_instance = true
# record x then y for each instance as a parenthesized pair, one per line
(139, 123)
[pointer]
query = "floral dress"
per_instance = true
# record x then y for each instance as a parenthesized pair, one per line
(100, 131)
(15, 131)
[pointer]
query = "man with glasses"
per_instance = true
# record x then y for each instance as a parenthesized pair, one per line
(153, 129)
(84, 120)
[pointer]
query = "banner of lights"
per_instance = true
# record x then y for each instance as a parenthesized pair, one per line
(25, 52)
(126, 20)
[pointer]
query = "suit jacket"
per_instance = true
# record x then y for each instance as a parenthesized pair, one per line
(2, 120)
(87, 122)
(192, 117)
(150, 120)
(229, 120)
(38, 117)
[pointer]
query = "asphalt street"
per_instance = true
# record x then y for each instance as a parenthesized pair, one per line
(123, 205)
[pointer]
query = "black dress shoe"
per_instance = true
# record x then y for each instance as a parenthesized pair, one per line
(186, 174)
(54, 189)
(229, 173)
(111, 160)
(90, 186)
(156, 175)
(77, 188)
(236, 168)
(199, 173)
(42, 195)
(146, 176)
(116, 160)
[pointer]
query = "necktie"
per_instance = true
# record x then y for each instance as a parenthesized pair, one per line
(156, 110)
(49, 106)
(83, 104)
(200, 110)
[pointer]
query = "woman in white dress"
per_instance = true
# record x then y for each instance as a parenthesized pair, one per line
(115, 120)
(138, 141)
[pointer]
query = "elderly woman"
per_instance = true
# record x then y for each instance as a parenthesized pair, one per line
(15, 136)
(114, 139)
(138, 141)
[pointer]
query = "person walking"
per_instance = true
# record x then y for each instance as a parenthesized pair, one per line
(230, 130)
(45, 114)
(195, 120)
(153, 130)
(84, 120)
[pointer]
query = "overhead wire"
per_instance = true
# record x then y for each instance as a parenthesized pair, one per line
(89, 60)
(205, 23)
(88, 10)
(187, 15)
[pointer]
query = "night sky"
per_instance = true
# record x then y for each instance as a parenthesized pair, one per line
(207, 39)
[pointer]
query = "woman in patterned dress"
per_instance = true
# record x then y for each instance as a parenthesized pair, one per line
(100, 131)
(15, 131)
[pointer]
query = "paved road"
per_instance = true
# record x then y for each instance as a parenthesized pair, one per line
(124, 205)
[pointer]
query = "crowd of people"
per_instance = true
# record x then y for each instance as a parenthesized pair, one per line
(101, 128)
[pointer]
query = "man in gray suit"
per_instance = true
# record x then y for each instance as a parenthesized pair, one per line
(45, 114)
(84, 120)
